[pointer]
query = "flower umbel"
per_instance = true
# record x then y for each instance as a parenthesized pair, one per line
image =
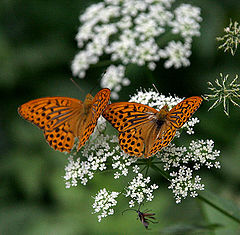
(114, 79)
(231, 39)
(179, 164)
(130, 32)
(139, 190)
(104, 201)
(224, 91)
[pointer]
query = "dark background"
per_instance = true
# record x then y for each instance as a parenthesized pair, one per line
(36, 49)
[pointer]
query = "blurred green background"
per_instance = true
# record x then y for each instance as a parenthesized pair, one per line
(36, 49)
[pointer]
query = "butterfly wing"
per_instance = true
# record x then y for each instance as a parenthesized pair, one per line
(62, 118)
(139, 140)
(175, 119)
(163, 140)
(181, 113)
(125, 116)
(99, 103)
(136, 124)
(54, 115)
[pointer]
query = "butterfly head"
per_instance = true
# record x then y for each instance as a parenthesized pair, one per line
(88, 103)
(161, 115)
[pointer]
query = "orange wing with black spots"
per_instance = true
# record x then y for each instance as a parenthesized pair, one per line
(128, 115)
(182, 112)
(62, 118)
(144, 130)
(99, 103)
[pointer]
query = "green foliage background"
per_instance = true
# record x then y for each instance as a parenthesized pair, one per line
(36, 48)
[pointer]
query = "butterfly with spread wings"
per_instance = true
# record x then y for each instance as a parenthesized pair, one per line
(143, 131)
(63, 119)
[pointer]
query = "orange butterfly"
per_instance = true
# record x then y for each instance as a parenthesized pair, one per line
(144, 130)
(62, 118)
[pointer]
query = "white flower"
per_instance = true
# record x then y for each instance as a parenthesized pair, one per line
(94, 157)
(121, 162)
(130, 32)
(177, 54)
(104, 201)
(114, 79)
(139, 190)
(180, 163)
(199, 152)
(186, 21)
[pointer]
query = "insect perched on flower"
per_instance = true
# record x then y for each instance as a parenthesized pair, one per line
(144, 217)
(144, 130)
(63, 118)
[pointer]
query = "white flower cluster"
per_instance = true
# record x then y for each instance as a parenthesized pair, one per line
(178, 54)
(183, 183)
(186, 22)
(94, 157)
(130, 32)
(199, 153)
(102, 152)
(114, 80)
(104, 201)
(121, 162)
(139, 190)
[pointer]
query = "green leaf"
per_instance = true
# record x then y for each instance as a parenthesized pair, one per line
(189, 228)
(225, 206)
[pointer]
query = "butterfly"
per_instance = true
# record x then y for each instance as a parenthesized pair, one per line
(144, 130)
(63, 118)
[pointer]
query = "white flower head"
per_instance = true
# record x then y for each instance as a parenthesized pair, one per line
(139, 190)
(186, 22)
(114, 79)
(104, 203)
(130, 31)
(180, 164)
(177, 54)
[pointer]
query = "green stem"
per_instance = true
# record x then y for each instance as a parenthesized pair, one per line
(200, 197)
(154, 167)
(226, 213)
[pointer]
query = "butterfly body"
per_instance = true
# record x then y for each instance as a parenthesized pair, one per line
(143, 130)
(63, 119)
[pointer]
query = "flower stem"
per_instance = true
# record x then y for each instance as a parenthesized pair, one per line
(154, 167)
(222, 210)
(206, 199)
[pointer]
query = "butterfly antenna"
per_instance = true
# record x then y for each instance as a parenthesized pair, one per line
(74, 82)
(155, 88)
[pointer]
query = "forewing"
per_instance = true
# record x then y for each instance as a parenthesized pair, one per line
(125, 116)
(181, 113)
(54, 115)
(100, 102)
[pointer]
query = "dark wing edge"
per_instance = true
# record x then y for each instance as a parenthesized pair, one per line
(183, 111)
